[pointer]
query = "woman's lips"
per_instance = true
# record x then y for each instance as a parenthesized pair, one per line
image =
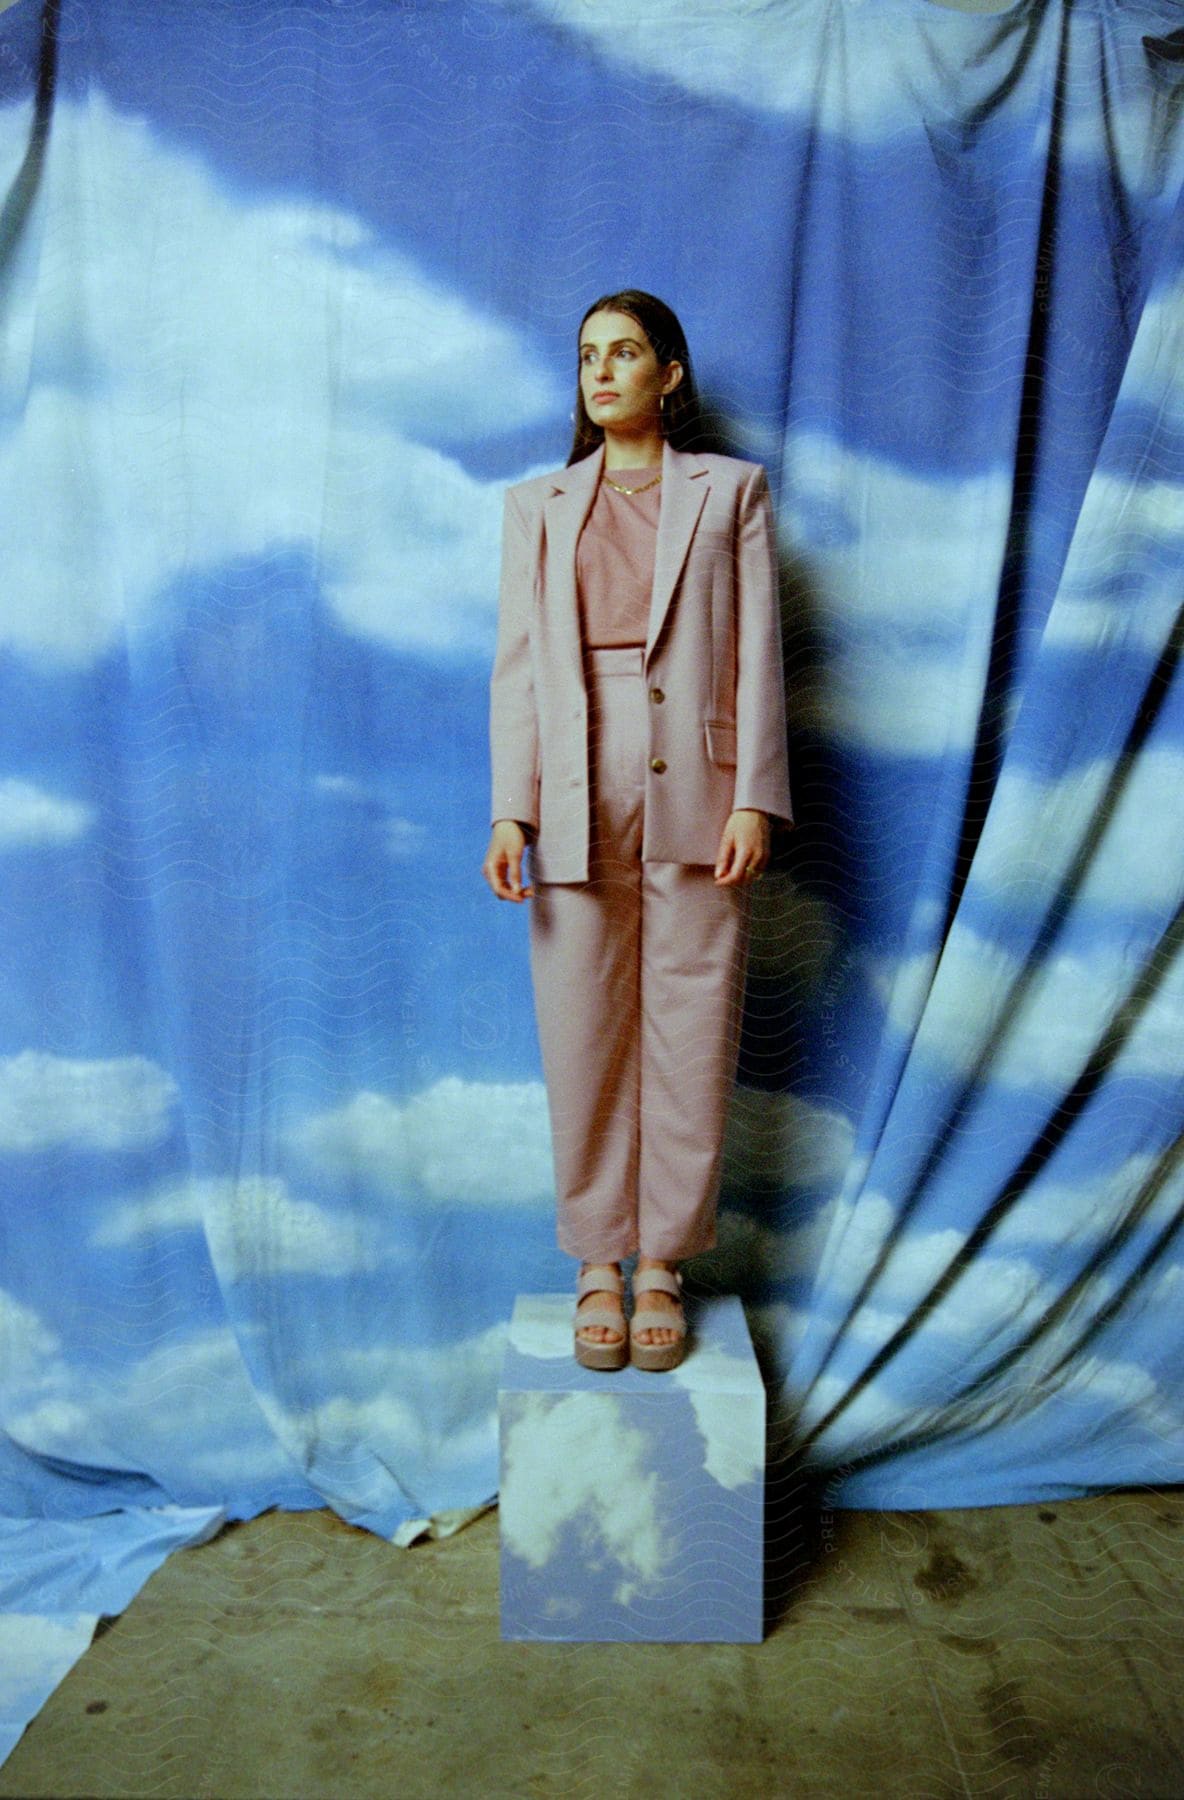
(604, 396)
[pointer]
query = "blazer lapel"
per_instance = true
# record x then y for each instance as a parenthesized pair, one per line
(564, 511)
(686, 484)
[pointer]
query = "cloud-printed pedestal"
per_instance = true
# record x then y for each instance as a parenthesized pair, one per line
(631, 1504)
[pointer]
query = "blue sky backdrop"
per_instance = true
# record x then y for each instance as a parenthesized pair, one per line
(290, 293)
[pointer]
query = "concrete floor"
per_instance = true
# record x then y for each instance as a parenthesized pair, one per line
(1029, 1650)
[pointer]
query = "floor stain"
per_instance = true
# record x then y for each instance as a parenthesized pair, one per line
(1019, 1738)
(945, 1577)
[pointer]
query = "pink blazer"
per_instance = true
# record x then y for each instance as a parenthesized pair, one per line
(712, 663)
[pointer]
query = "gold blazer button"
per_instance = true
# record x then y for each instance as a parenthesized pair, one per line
(657, 695)
(657, 764)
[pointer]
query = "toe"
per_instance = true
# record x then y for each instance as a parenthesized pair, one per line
(600, 1334)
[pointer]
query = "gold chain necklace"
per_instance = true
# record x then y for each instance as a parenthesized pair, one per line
(619, 489)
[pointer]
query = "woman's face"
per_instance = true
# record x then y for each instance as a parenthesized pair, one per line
(621, 379)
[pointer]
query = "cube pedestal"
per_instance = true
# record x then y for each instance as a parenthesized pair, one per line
(631, 1505)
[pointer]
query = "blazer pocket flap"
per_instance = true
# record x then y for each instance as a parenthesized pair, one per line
(721, 740)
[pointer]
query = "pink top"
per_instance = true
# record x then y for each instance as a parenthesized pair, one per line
(615, 560)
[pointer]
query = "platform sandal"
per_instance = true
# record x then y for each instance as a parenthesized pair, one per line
(657, 1357)
(600, 1356)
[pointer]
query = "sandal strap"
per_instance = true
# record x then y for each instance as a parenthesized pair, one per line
(648, 1318)
(670, 1282)
(599, 1315)
(589, 1280)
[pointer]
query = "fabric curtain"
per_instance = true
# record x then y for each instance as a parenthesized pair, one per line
(289, 294)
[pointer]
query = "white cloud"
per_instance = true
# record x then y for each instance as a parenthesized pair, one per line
(1035, 829)
(1001, 1293)
(846, 71)
(873, 1416)
(1128, 1389)
(254, 1226)
(1159, 1294)
(838, 1247)
(29, 815)
(1155, 1045)
(37, 1651)
(45, 1100)
(1155, 350)
(1104, 1399)
(908, 615)
(868, 73)
(342, 787)
(842, 1244)
(903, 984)
(174, 430)
(1122, 1395)
(405, 839)
(729, 1406)
(1080, 1212)
(1086, 618)
(1120, 587)
(26, 1341)
(392, 1418)
(576, 1456)
(1072, 1005)
(186, 1410)
(465, 1142)
(997, 1298)
(173, 1206)
(541, 1326)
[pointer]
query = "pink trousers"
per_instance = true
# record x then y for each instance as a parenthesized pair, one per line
(638, 980)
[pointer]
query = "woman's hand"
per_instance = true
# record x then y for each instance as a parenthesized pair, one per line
(743, 848)
(502, 867)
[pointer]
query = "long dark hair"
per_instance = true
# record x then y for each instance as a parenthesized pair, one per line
(681, 424)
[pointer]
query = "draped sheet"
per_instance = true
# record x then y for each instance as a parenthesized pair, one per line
(288, 294)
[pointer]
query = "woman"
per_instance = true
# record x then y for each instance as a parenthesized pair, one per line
(637, 730)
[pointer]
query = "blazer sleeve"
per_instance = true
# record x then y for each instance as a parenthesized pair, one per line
(762, 762)
(513, 719)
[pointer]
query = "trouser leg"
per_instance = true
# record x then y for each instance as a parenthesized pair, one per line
(693, 944)
(584, 948)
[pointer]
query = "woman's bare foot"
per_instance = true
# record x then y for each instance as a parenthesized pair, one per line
(660, 1300)
(601, 1334)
